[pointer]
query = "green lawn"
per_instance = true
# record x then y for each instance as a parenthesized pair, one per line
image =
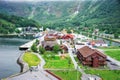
(31, 59)
(68, 75)
(56, 62)
(105, 74)
(113, 53)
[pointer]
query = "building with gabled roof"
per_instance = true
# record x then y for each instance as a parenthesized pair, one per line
(49, 42)
(91, 57)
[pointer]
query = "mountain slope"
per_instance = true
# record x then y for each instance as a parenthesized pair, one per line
(8, 23)
(41, 11)
(101, 14)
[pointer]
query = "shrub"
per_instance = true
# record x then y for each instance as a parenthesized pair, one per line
(56, 48)
(37, 42)
(41, 50)
(34, 47)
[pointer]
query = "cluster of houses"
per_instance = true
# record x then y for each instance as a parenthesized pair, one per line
(52, 38)
(29, 29)
(84, 50)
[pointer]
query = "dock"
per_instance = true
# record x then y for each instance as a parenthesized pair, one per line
(26, 45)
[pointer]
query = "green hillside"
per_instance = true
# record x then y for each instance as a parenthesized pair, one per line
(8, 23)
(41, 11)
(84, 15)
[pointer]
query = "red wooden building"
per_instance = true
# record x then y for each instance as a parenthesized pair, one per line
(91, 57)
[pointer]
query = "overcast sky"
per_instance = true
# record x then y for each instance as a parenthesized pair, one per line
(42, 0)
(38, 0)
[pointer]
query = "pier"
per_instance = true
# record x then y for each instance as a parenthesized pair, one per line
(26, 45)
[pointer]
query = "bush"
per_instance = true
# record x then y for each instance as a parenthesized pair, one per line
(56, 48)
(41, 50)
(34, 47)
(37, 42)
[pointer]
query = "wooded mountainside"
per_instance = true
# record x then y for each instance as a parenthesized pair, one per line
(90, 14)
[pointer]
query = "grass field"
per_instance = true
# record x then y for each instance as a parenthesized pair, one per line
(31, 59)
(113, 52)
(105, 74)
(56, 62)
(68, 75)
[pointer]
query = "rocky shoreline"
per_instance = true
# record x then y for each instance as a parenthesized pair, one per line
(24, 66)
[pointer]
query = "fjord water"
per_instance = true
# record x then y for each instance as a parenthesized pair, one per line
(9, 53)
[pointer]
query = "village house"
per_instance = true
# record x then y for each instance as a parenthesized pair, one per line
(67, 36)
(91, 57)
(64, 48)
(49, 42)
(50, 38)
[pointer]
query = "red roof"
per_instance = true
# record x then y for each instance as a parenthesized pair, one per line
(68, 36)
(87, 51)
(97, 42)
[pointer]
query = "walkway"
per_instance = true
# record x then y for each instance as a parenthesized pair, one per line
(72, 58)
(34, 75)
(42, 63)
(26, 45)
(113, 60)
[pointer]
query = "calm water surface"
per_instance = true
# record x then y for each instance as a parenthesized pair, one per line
(9, 53)
(108, 42)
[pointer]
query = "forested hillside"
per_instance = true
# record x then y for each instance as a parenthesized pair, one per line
(86, 14)
(8, 23)
(41, 11)
(101, 14)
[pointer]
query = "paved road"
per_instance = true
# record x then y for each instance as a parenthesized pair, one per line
(112, 66)
(34, 75)
(113, 60)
